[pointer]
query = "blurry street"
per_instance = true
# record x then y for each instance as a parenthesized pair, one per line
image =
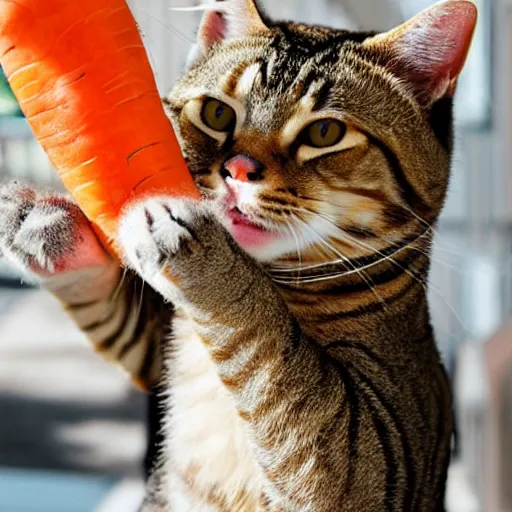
(62, 409)
(65, 407)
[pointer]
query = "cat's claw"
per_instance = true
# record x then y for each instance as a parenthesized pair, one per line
(157, 232)
(45, 234)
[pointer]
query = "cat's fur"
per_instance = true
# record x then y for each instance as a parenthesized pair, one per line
(301, 374)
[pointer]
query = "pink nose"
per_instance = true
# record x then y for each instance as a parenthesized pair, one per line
(243, 168)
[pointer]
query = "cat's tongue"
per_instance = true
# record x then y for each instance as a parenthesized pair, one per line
(246, 233)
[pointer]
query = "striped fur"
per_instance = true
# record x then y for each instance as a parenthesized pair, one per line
(301, 374)
(49, 237)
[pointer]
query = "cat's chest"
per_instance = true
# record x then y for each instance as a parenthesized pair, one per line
(207, 444)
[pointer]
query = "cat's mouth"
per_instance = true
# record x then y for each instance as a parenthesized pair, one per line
(248, 233)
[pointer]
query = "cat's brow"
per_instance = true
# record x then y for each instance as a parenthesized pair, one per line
(322, 96)
(231, 80)
(314, 92)
(247, 80)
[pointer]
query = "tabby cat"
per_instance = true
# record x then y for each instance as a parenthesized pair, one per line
(285, 317)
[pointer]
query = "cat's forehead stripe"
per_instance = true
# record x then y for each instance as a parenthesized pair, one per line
(247, 80)
(229, 82)
(322, 96)
(309, 99)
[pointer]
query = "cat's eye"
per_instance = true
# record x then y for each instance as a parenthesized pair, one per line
(324, 133)
(218, 116)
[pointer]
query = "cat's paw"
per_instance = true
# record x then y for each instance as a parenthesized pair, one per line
(155, 235)
(176, 245)
(45, 234)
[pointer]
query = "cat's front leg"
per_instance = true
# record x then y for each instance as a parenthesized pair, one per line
(46, 235)
(289, 392)
(48, 238)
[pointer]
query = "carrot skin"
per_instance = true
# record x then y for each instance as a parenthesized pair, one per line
(81, 74)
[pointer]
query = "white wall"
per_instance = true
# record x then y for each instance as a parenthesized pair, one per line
(168, 36)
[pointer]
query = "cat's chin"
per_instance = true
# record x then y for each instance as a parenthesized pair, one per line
(262, 244)
(247, 233)
(271, 251)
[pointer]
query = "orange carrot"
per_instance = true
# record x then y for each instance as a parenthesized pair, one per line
(83, 80)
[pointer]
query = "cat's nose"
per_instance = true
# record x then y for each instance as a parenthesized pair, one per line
(243, 168)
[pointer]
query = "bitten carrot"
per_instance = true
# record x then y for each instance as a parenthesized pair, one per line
(81, 74)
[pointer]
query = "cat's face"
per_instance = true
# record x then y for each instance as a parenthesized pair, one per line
(320, 142)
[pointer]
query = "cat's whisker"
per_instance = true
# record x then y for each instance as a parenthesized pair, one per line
(294, 235)
(120, 285)
(285, 269)
(427, 253)
(332, 222)
(311, 280)
(426, 285)
(292, 268)
(386, 258)
(314, 278)
(363, 245)
(139, 308)
(326, 244)
(437, 239)
(434, 232)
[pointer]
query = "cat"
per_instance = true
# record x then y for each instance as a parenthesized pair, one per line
(284, 318)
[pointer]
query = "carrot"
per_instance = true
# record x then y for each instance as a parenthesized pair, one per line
(83, 80)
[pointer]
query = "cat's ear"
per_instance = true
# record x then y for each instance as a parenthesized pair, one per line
(430, 50)
(228, 19)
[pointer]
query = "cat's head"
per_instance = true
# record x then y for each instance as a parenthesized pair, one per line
(318, 140)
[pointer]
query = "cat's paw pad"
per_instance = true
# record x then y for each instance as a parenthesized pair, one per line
(45, 233)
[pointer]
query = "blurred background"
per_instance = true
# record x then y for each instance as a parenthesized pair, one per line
(72, 430)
